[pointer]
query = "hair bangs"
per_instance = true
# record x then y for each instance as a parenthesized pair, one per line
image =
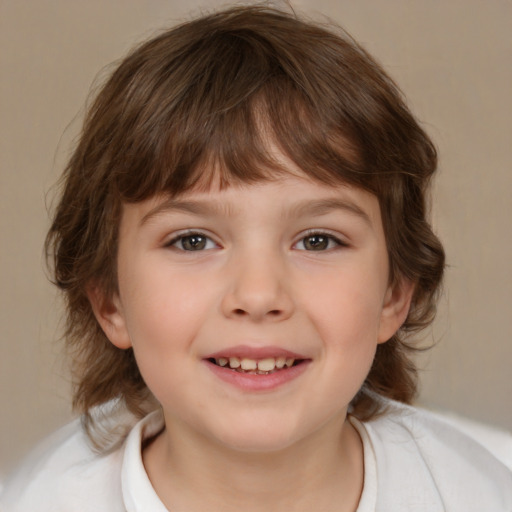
(224, 117)
(216, 143)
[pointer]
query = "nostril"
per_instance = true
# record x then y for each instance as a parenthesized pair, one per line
(243, 312)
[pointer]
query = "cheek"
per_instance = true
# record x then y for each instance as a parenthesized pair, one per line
(347, 319)
(158, 301)
(349, 331)
(164, 313)
(162, 329)
(347, 313)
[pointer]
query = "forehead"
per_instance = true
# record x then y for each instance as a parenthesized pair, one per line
(290, 196)
(271, 186)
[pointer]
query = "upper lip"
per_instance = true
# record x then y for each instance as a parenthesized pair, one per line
(251, 352)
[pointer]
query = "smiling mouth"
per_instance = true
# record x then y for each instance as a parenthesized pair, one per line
(264, 366)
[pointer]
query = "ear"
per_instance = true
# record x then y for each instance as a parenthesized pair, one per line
(109, 314)
(395, 309)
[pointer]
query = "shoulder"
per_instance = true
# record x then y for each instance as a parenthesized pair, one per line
(64, 473)
(425, 459)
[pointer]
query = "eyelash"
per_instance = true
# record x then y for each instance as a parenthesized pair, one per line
(322, 234)
(208, 241)
(189, 235)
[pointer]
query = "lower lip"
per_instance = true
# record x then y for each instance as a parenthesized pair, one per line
(255, 382)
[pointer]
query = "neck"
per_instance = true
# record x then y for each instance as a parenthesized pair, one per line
(322, 472)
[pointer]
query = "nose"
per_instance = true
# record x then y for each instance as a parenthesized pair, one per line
(258, 289)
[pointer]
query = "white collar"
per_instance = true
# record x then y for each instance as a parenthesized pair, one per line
(138, 493)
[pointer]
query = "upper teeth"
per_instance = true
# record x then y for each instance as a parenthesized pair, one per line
(265, 365)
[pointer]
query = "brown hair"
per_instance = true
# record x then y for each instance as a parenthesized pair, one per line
(206, 95)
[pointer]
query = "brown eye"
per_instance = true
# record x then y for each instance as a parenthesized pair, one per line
(192, 242)
(316, 243)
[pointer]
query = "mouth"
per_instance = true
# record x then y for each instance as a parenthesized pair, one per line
(257, 369)
(264, 366)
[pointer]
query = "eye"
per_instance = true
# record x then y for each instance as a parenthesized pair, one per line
(318, 242)
(192, 242)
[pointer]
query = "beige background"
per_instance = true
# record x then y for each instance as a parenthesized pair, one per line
(453, 61)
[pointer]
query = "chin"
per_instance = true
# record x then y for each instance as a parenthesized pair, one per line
(258, 437)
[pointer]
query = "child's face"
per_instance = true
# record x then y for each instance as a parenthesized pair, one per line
(266, 272)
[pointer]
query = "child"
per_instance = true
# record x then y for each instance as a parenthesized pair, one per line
(243, 246)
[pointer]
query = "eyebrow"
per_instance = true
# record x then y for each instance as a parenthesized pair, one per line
(304, 208)
(193, 207)
(324, 206)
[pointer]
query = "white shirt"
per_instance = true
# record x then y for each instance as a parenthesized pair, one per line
(413, 462)
(416, 462)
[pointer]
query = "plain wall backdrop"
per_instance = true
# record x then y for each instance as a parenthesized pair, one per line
(452, 59)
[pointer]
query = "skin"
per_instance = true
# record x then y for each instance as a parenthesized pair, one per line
(290, 263)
